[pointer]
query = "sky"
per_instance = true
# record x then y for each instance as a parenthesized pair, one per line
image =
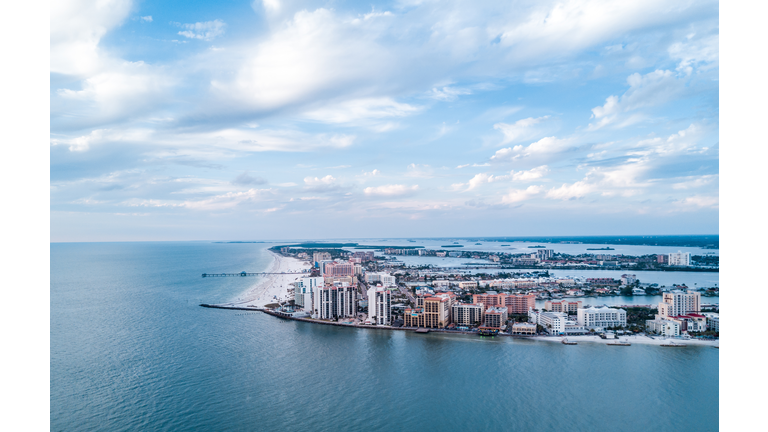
(272, 119)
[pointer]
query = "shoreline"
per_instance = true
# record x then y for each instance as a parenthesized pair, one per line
(633, 339)
(264, 291)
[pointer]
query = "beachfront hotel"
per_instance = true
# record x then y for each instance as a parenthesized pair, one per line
(677, 303)
(601, 317)
(335, 301)
(304, 290)
(562, 306)
(496, 317)
(379, 305)
(468, 314)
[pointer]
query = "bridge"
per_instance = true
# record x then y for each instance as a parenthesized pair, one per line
(243, 274)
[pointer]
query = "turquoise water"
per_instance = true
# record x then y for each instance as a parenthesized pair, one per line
(131, 350)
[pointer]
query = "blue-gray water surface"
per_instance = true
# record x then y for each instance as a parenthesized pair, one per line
(132, 350)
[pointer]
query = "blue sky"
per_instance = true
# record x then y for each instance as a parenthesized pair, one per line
(307, 119)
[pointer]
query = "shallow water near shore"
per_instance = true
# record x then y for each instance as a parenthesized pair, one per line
(132, 350)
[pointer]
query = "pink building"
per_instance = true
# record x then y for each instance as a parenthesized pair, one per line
(519, 304)
(339, 269)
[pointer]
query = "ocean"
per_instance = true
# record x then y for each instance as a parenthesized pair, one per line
(132, 350)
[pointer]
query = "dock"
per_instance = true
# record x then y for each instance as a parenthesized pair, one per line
(674, 345)
(619, 343)
(422, 330)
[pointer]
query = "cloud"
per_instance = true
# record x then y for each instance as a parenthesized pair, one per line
(322, 184)
(520, 130)
(77, 27)
(517, 195)
(212, 144)
(694, 182)
(653, 88)
(218, 202)
(245, 179)
(704, 53)
(544, 146)
(702, 201)
(146, 18)
(521, 176)
(391, 190)
(361, 109)
(571, 191)
(206, 31)
(448, 94)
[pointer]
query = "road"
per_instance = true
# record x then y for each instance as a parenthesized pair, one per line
(408, 294)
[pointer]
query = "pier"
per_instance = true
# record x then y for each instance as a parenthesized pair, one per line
(243, 274)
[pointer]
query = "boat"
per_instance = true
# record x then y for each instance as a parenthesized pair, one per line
(565, 342)
(488, 332)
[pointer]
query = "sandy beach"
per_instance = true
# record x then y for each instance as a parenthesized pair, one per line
(274, 285)
(634, 339)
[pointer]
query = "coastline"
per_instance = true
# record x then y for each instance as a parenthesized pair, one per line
(633, 339)
(271, 286)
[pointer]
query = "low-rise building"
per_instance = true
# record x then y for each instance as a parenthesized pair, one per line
(562, 306)
(602, 317)
(523, 328)
(384, 279)
(664, 327)
(553, 322)
(713, 321)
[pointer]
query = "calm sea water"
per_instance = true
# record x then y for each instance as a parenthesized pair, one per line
(131, 350)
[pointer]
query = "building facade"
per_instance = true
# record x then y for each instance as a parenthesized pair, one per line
(496, 317)
(601, 317)
(304, 289)
(679, 303)
(336, 301)
(520, 303)
(562, 306)
(379, 305)
(680, 259)
(468, 314)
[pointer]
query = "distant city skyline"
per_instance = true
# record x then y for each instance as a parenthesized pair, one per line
(326, 120)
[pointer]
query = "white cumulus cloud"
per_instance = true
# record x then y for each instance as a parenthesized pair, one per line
(390, 190)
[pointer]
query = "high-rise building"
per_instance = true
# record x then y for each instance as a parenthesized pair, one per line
(321, 256)
(339, 268)
(379, 305)
(437, 312)
(489, 299)
(304, 289)
(336, 301)
(679, 303)
(544, 254)
(602, 317)
(468, 314)
(662, 259)
(519, 303)
(680, 259)
(496, 317)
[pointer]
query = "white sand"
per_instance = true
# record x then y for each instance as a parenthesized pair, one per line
(634, 339)
(272, 285)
